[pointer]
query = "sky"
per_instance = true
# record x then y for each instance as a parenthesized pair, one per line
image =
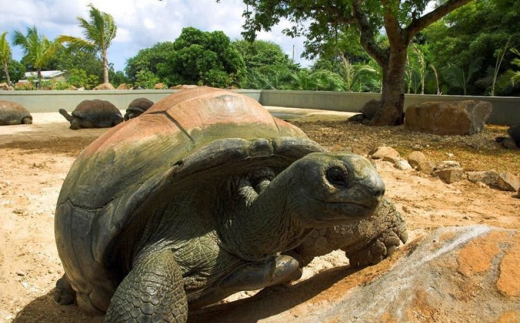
(140, 23)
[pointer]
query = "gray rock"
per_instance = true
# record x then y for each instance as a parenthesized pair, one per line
(448, 118)
(504, 181)
(450, 175)
(402, 164)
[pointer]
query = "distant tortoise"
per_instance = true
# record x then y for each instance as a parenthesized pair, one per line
(136, 107)
(12, 113)
(197, 198)
(93, 114)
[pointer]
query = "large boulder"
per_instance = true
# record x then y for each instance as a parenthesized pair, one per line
(448, 118)
(104, 86)
(453, 274)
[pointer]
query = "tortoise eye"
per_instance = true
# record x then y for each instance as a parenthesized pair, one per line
(337, 176)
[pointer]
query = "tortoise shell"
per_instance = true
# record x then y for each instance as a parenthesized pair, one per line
(100, 113)
(195, 131)
(12, 113)
(137, 107)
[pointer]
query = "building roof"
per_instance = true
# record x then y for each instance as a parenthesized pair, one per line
(45, 74)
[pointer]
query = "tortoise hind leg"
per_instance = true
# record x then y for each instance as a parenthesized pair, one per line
(63, 293)
(153, 291)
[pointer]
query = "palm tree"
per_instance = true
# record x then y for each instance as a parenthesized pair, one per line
(99, 33)
(5, 56)
(38, 49)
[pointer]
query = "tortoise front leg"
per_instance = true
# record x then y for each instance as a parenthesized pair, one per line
(153, 291)
(365, 242)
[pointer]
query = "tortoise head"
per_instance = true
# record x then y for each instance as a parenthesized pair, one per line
(333, 188)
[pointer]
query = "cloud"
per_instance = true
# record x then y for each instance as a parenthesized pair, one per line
(140, 23)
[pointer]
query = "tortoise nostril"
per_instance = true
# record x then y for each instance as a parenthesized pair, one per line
(379, 192)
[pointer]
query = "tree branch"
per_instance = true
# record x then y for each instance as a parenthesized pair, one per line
(419, 24)
(367, 37)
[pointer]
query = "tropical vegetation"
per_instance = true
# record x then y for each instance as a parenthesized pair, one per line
(473, 50)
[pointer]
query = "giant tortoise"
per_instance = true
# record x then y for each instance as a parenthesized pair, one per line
(12, 113)
(203, 195)
(137, 107)
(93, 114)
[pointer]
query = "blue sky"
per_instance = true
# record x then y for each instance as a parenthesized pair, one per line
(141, 23)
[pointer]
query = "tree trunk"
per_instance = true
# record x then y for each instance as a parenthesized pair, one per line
(105, 67)
(6, 71)
(390, 113)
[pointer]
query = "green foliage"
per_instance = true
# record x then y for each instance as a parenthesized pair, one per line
(38, 49)
(329, 23)
(268, 67)
(480, 29)
(99, 32)
(205, 58)
(146, 79)
(66, 59)
(16, 71)
(152, 59)
(80, 78)
(5, 56)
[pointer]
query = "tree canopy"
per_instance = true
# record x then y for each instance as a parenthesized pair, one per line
(322, 20)
(5, 56)
(99, 32)
(205, 58)
(38, 49)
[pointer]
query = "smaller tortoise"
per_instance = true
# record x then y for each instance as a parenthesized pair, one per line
(93, 114)
(12, 113)
(137, 107)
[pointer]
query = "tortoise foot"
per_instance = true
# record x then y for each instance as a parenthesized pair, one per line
(63, 293)
(377, 250)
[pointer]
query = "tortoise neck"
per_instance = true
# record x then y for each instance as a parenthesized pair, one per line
(261, 225)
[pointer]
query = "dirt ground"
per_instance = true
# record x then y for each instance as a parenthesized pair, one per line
(35, 160)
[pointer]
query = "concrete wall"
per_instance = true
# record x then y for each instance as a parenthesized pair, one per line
(506, 110)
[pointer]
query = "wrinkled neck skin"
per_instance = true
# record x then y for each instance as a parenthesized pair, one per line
(258, 220)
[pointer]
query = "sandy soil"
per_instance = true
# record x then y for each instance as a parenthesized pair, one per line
(36, 158)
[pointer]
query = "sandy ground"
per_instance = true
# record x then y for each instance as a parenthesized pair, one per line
(36, 158)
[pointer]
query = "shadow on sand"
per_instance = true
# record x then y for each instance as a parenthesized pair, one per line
(267, 303)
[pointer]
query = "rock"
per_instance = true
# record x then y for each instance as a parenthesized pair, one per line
(453, 274)
(5, 87)
(508, 182)
(425, 167)
(123, 86)
(402, 164)
(384, 152)
(160, 86)
(450, 175)
(415, 158)
(449, 171)
(104, 86)
(489, 178)
(514, 133)
(446, 164)
(504, 181)
(448, 118)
